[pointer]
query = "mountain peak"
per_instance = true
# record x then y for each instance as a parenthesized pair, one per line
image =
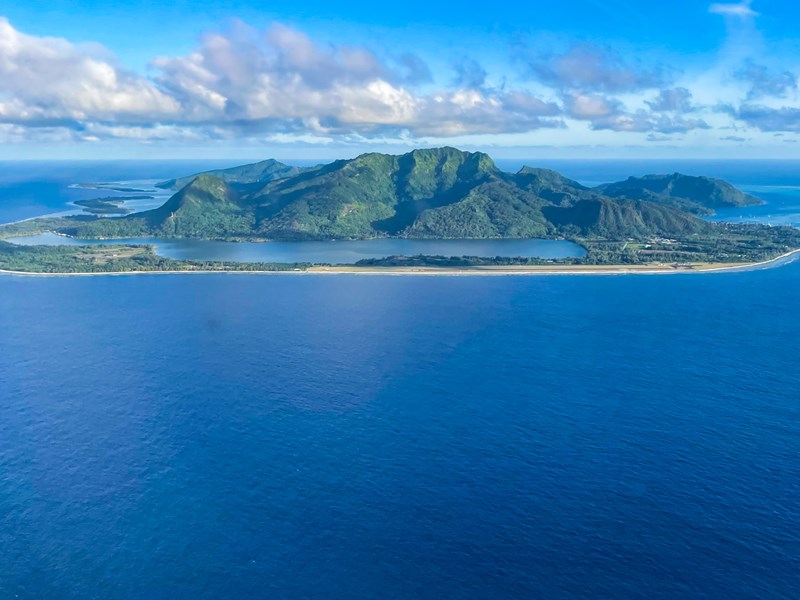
(204, 190)
(539, 180)
(467, 164)
(213, 185)
(449, 151)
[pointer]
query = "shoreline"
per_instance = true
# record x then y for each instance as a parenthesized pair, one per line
(487, 271)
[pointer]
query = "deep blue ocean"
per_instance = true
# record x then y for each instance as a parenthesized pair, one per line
(296, 436)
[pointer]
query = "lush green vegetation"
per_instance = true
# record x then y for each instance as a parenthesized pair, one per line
(370, 196)
(114, 259)
(731, 243)
(451, 262)
(42, 225)
(443, 193)
(623, 219)
(245, 175)
(109, 206)
(700, 195)
(437, 193)
(206, 208)
(726, 243)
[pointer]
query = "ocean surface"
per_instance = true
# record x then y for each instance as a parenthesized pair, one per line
(296, 436)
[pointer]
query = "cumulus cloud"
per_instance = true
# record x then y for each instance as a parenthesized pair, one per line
(765, 118)
(591, 107)
(285, 80)
(678, 100)
(49, 80)
(587, 77)
(249, 83)
(282, 86)
(605, 113)
(765, 82)
(591, 68)
(742, 9)
(242, 76)
(469, 111)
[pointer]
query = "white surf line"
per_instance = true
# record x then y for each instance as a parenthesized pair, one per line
(753, 266)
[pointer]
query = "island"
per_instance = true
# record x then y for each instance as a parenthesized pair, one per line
(113, 205)
(651, 223)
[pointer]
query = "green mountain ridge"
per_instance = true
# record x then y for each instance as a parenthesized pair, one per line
(206, 207)
(621, 219)
(202, 191)
(371, 195)
(701, 195)
(244, 175)
(436, 193)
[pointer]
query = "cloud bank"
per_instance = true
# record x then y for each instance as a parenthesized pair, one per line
(283, 86)
(49, 81)
(244, 82)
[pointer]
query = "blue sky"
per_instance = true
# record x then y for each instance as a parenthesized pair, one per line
(579, 78)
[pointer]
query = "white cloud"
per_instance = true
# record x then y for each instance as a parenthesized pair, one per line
(50, 79)
(280, 86)
(672, 100)
(610, 114)
(591, 68)
(742, 9)
(768, 119)
(766, 83)
(246, 83)
(589, 107)
(283, 80)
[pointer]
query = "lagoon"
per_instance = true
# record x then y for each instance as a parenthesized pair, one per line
(329, 252)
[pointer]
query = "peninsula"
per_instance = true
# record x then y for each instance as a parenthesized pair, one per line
(441, 193)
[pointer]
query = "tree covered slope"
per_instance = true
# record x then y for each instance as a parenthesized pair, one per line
(433, 193)
(696, 194)
(242, 176)
(374, 194)
(622, 219)
(206, 208)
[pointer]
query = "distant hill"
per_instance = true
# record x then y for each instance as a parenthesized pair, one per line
(206, 208)
(622, 219)
(243, 176)
(551, 185)
(701, 195)
(433, 193)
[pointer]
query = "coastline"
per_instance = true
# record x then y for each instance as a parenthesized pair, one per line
(486, 271)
